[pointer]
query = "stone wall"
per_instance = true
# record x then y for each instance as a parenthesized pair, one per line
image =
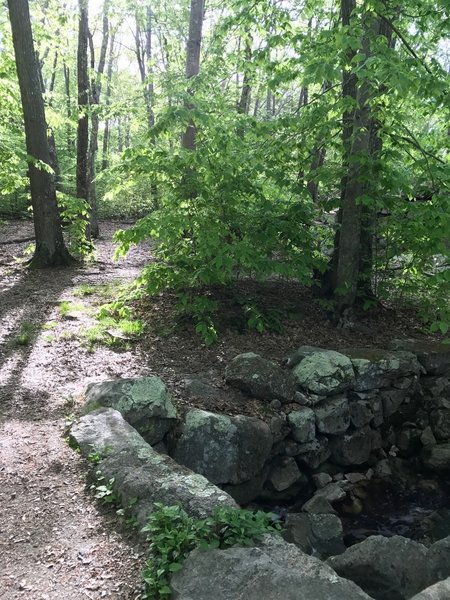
(332, 419)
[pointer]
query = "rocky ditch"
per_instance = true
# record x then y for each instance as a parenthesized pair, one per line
(338, 427)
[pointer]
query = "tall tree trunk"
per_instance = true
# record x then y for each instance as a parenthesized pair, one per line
(361, 147)
(95, 91)
(193, 62)
(83, 101)
(50, 248)
(70, 141)
(144, 53)
(109, 71)
(244, 100)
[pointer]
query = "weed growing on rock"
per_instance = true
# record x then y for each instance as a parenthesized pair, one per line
(173, 534)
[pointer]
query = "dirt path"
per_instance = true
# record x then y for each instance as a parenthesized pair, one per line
(54, 541)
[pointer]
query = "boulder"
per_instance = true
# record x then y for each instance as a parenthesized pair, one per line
(353, 448)
(439, 560)
(223, 449)
(260, 378)
(298, 355)
(437, 457)
(276, 570)
(279, 428)
(433, 356)
(284, 472)
(438, 591)
(392, 568)
(141, 476)
(313, 454)
(332, 415)
(325, 373)
(317, 534)
(145, 403)
(303, 425)
(380, 368)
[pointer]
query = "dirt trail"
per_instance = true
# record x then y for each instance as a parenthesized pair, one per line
(54, 541)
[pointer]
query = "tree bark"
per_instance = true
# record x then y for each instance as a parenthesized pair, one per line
(82, 184)
(95, 91)
(109, 71)
(50, 248)
(193, 62)
(353, 251)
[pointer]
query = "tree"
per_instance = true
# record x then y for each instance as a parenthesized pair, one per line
(50, 248)
(193, 61)
(83, 103)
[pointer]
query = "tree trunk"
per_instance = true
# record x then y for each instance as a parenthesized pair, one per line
(244, 100)
(50, 248)
(193, 62)
(108, 101)
(83, 100)
(353, 253)
(70, 141)
(144, 53)
(95, 91)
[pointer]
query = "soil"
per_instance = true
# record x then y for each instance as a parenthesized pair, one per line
(55, 539)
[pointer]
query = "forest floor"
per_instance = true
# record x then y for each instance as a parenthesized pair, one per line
(55, 540)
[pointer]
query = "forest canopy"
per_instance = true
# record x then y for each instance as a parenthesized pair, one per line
(246, 139)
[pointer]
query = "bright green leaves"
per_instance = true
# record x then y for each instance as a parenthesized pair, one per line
(172, 535)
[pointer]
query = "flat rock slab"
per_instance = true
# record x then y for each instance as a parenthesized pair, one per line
(433, 356)
(141, 476)
(276, 571)
(379, 368)
(144, 402)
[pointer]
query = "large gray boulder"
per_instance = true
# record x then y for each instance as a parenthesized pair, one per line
(141, 477)
(145, 403)
(223, 449)
(438, 591)
(392, 568)
(380, 368)
(325, 373)
(260, 378)
(275, 571)
(318, 534)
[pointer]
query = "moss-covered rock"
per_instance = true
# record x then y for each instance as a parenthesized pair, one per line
(325, 373)
(145, 403)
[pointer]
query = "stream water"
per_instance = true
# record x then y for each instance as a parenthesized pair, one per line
(411, 511)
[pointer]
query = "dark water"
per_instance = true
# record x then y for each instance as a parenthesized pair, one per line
(390, 509)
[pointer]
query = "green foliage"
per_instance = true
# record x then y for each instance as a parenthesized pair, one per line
(104, 490)
(75, 216)
(173, 534)
(25, 334)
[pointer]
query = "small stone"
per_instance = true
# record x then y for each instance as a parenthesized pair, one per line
(332, 492)
(303, 425)
(275, 404)
(321, 480)
(318, 505)
(355, 477)
(284, 473)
